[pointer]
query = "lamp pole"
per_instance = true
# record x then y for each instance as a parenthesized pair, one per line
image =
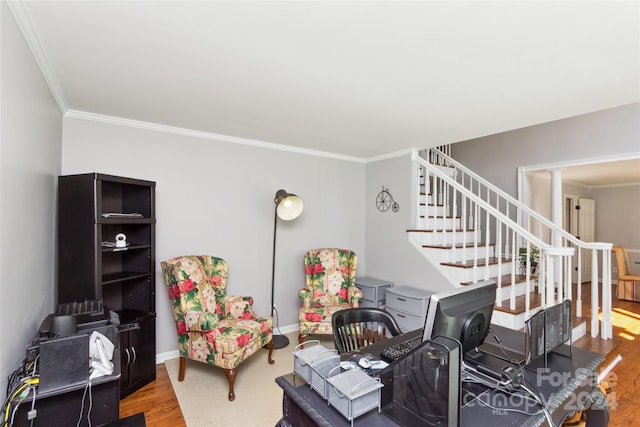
(291, 208)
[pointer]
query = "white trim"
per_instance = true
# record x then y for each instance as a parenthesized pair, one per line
(23, 19)
(581, 162)
(101, 118)
(393, 155)
(579, 184)
(523, 185)
(167, 355)
(628, 184)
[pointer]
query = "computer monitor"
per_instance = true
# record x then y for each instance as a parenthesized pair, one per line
(463, 314)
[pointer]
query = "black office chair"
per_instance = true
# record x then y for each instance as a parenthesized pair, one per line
(354, 328)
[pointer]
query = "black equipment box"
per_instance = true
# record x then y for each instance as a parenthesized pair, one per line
(423, 387)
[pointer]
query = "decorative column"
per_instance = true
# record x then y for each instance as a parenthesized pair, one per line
(555, 264)
(556, 203)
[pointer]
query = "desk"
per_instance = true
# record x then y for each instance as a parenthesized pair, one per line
(567, 389)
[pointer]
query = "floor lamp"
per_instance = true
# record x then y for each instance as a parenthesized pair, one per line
(288, 207)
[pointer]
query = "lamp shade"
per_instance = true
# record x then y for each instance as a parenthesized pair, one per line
(288, 206)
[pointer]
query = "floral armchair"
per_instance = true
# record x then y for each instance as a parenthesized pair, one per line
(330, 286)
(213, 327)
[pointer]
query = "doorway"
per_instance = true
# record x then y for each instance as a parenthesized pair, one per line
(578, 218)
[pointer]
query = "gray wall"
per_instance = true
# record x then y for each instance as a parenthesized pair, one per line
(217, 198)
(617, 220)
(390, 256)
(30, 153)
(617, 215)
(603, 134)
(607, 133)
(496, 158)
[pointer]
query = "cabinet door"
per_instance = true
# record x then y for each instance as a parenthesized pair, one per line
(125, 359)
(142, 343)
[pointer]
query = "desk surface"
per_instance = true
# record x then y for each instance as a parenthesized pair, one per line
(564, 390)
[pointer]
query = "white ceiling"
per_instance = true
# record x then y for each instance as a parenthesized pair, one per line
(357, 79)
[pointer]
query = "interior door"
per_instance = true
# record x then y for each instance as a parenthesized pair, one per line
(579, 220)
(586, 232)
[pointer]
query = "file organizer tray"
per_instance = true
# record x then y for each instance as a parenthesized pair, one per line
(321, 366)
(304, 357)
(353, 393)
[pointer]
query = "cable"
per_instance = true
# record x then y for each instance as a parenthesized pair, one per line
(84, 394)
(24, 384)
(544, 408)
(275, 310)
(530, 414)
(513, 392)
(33, 406)
(15, 409)
(534, 397)
(90, 405)
(504, 351)
(523, 386)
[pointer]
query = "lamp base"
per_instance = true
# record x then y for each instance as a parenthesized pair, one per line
(280, 341)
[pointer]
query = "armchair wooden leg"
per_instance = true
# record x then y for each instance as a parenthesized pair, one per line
(231, 378)
(270, 345)
(183, 363)
(301, 338)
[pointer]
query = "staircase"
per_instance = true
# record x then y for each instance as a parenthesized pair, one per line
(473, 231)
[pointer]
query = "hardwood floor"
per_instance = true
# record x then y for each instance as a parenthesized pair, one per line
(625, 377)
(161, 408)
(157, 400)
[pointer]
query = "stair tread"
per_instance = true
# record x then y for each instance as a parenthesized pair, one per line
(480, 262)
(431, 230)
(505, 280)
(535, 301)
(440, 216)
(435, 205)
(457, 246)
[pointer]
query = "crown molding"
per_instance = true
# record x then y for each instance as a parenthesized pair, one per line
(393, 155)
(23, 19)
(75, 114)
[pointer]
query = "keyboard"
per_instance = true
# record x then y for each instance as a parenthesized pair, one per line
(396, 351)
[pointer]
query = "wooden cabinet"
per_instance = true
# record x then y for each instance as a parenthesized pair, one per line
(137, 355)
(408, 306)
(93, 209)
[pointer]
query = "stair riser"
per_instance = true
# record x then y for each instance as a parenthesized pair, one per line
(431, 210)
(457, 254)
(520, 289)
(466, 274)
(440, 238)
(508, 320)
(430, 201)
(431, 223)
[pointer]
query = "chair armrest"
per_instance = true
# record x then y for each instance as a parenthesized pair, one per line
(239, 307)
(305, 296)
(354, 295)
